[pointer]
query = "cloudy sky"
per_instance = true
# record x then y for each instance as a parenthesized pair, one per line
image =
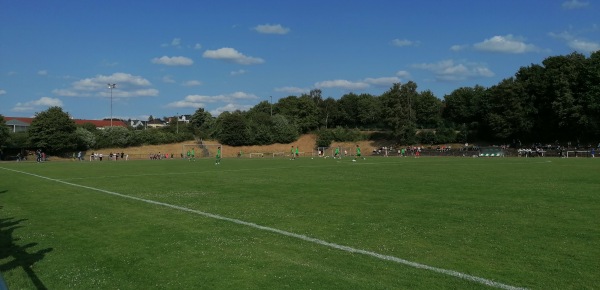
(172, 57)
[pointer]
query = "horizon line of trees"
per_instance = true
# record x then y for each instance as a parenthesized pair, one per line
(556, 101)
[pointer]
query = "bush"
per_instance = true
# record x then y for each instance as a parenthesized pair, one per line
(445, 135)
(426, 137)
(324, 138)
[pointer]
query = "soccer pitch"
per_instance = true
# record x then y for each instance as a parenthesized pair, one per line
(379, 223)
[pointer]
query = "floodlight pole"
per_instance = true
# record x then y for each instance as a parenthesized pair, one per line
(111, 87)
(177, 120)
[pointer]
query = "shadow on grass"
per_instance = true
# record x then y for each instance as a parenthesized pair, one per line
(17, 256)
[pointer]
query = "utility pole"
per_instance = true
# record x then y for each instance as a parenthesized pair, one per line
(111, 87)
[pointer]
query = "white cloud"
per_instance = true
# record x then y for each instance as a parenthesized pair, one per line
(36, 104)
(232, 55)
(198, 101)
(574, 4)
(383, 81)
(42, 72)
(192, 83)
(575, 43)
(2, 92)
(403, 74)
(198, 46)
(292, 90)
(176, 42)
(342, 84)
(237, 72)
(583, 45)
(168, 79)
(448, 70)
(458, 47)
(127, 85)
(505, 44)
(405, 42)
(229, 108)
(173, 61)
(272, 29)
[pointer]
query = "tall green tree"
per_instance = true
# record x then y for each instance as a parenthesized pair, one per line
(398, 112)
(202, 123)
(283, 130)
(348, 110)
(234, 129)
(54, 131)
(428, 110)
(368, 110)
(511, 113)
(463, 105)
(4, 132)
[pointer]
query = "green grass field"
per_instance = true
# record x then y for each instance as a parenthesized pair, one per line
(467, 223)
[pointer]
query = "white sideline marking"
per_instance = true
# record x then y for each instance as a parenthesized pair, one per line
(452, 273)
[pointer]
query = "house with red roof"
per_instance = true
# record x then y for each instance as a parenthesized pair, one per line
(21, 124)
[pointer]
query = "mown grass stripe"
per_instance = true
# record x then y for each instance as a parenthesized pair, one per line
(452, 273)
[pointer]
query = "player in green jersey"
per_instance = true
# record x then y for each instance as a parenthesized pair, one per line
(358, 154)
(292, 153)
(218, 161)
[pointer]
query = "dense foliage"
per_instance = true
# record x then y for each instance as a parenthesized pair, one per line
(556, 100)
(4, 132)
(53, 131)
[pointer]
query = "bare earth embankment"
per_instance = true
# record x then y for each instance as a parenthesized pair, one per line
(306, 144)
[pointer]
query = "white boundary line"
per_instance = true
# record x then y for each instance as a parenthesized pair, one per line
(452, 273)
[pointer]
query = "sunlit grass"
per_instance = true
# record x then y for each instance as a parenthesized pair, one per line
(523, 222)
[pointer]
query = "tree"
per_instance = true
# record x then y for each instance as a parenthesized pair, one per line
(428, 110)
(85, 139)
(511, 113)
(54, 131)
(303, 112)
(328, 112)
(202, 123)
(283, 130)
(348, 110)
(398, 113)
(462, 105)
(368, 110)
(234, 129)
(4, 132)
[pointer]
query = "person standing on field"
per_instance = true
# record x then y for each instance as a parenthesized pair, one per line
(358, 154)
(218, 161)
(297, 151)
(336, 155)
(292, 153)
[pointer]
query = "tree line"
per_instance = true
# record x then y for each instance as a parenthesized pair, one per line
(557, 100)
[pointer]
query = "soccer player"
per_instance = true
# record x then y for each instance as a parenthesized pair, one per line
(297, 153)
(189, 155)
(218, 161)
(194, 154)
(358, 154)
(337, 153)
(292, 153)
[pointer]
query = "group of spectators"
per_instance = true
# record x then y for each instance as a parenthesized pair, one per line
(99, 156)
(159, 156)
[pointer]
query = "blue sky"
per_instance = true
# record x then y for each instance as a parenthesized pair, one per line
(172, 57)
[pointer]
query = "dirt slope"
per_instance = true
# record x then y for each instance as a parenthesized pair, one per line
(306, 144)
